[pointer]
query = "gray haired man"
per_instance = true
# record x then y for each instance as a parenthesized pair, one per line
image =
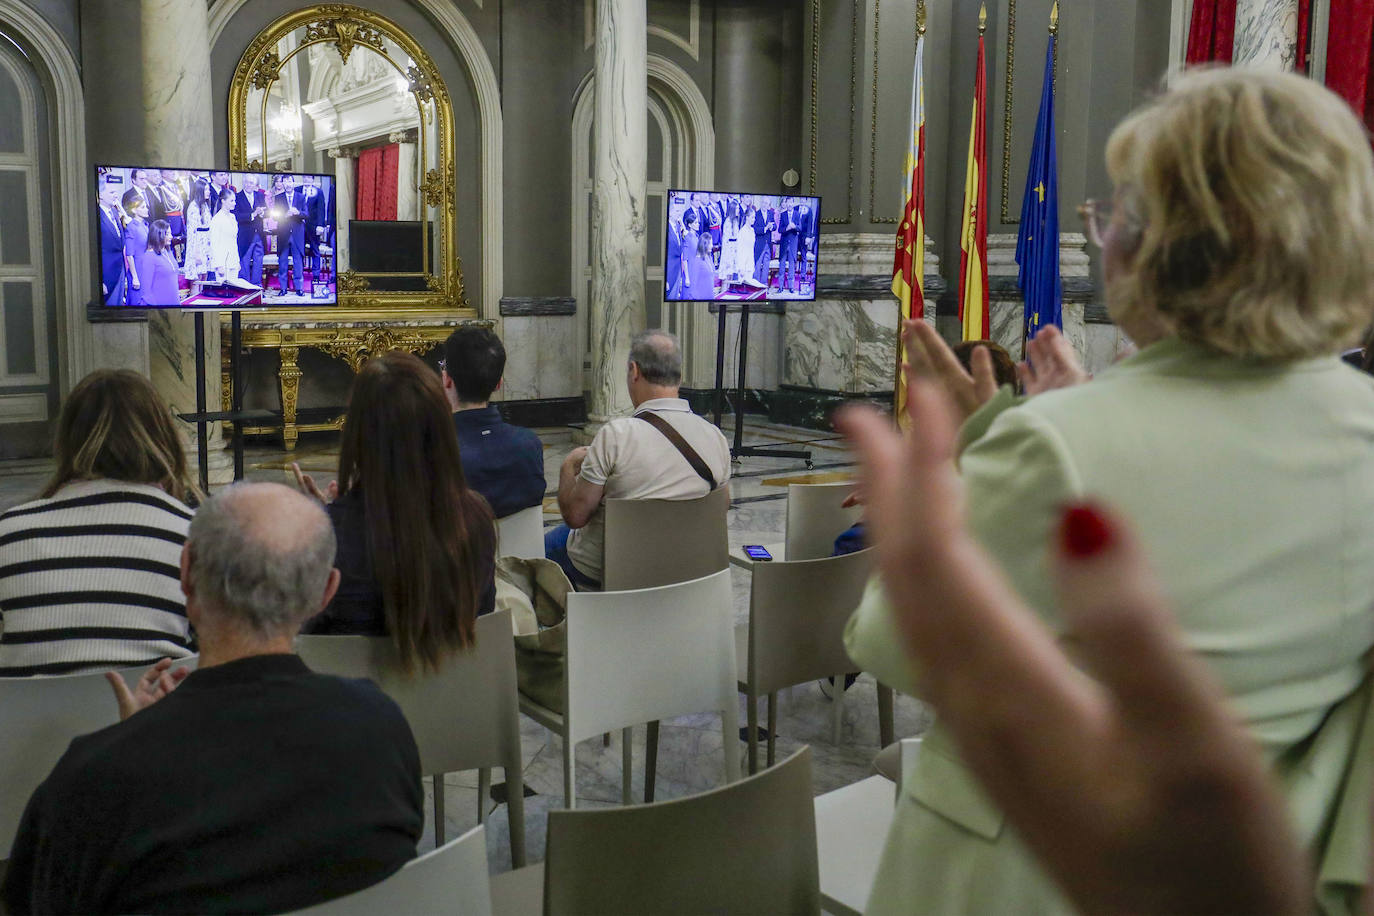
(251, 785)
(663, 451)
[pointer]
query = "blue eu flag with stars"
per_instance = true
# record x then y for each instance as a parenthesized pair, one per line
(1037, 245)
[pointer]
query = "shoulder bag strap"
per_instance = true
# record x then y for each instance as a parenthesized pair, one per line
(680, 443)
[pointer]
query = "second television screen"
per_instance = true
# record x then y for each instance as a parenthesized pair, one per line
(726, 246)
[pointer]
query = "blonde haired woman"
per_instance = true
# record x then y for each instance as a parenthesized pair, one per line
(90, 571)
(1239, 256)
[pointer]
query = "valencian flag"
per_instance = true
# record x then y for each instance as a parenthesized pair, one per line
(973, 237)
(1037, 244)
(908, 271)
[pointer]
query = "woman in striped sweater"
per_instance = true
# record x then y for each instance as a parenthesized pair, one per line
(90, 571)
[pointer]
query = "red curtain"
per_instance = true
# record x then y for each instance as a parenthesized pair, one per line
(377, 182)
(1303, 65)
(1212, 31)
(1350, 41)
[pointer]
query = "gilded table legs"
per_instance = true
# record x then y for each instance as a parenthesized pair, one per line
(289, 377)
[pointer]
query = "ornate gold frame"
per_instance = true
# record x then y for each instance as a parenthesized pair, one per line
(347, 27)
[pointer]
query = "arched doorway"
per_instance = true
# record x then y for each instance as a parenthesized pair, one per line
(681, 154)
(29, 335)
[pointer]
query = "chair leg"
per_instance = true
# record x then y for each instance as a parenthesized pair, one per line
(626, 763)
(569, 761)
(837, 710)
(772, 725)
(483, 792)
(751, 704)
(515, 811)
(438, 809)
(650, 760)
(885, 726)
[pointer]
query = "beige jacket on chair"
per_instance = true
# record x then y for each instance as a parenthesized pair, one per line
(1252, 489)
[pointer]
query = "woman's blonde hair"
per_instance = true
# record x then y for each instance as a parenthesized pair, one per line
(1252, 194)
(114, 426)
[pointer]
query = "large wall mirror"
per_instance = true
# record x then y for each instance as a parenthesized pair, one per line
(340, 90)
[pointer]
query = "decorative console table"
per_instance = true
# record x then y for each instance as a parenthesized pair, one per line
(354, 342)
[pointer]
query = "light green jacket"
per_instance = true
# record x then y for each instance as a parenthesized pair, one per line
(1252, 488)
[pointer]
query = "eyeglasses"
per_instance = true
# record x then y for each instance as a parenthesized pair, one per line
(443, 365)
(1097, 216)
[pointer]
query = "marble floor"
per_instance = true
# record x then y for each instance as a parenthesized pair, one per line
(689, 758)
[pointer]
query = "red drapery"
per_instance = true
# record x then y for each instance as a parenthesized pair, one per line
(1303, 65)
(1212, 31)
(377, 182)
(1349, 45)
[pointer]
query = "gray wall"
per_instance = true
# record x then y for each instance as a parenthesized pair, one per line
(65, 17)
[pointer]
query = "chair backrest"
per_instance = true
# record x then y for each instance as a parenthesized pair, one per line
(646, 654)
(797, 615)
(450, 879)
(815, 518)
(521, 534)
(749, 847)
(464, 716)
(651, 542)
(39, 717)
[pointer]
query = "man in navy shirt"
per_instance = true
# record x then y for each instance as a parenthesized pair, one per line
(504, 463)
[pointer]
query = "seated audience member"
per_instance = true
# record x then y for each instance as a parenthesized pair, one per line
(417, 548)
(250, 786)
(88, 571)
(1137, 789)
(1240, 257)
(504, 463)
(635, 458)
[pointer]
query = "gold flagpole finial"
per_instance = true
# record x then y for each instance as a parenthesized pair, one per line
(1054, 18)
(983, 19)
(921, 17)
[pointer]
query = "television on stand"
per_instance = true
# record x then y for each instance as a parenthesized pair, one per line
(189, 238)
(728, 246)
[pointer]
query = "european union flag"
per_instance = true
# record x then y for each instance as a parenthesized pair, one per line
(1037, 246)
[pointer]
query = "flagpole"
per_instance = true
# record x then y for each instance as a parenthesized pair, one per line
(908, 281)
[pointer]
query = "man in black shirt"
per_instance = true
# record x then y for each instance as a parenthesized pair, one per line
(251, 785)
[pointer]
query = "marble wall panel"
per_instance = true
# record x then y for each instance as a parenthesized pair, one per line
(1103, 344)
(541, 357)
(122, 345)
(1007, 317)
(841, 345)
(1266, 33)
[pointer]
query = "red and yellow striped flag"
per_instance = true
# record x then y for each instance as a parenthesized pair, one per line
(973, 238)
(908, 270)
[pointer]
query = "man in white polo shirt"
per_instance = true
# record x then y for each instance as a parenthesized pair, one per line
(663, 451)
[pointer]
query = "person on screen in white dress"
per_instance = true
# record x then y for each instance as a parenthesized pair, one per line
(198, 214)
(224, 238)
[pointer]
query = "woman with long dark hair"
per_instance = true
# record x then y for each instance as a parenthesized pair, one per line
(417, 548)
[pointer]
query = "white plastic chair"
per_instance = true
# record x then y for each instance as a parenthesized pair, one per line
(39, 717)
(521, 534)
(642, 655)
(450, 879)
(815, 518)
(464, 716)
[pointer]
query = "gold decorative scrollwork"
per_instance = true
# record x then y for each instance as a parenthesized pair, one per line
(355, 349)
(352, 282)
(420, 83)
(434, 187)
(267, 71)
(343, 30)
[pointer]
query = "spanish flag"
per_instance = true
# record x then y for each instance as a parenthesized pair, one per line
(973, 238)
(908, 270)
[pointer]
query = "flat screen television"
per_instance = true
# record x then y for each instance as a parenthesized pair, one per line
(209, 239)
(726, 246)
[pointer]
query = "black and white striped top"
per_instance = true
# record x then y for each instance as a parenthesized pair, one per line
(90, 579)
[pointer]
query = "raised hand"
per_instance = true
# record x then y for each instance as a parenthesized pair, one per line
(155, 684)
(929, 357)
(1052, 363)
(1133, 784)
(306, 484)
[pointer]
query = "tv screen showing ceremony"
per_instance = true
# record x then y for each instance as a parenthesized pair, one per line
(724, 246)
(201, 238)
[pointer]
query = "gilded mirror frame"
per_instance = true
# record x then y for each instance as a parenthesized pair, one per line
(349, 28)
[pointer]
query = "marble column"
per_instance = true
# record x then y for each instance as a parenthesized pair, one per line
(1266, 33)
(407, 197)
(345, 178)
(172, 102)
(620, 138)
